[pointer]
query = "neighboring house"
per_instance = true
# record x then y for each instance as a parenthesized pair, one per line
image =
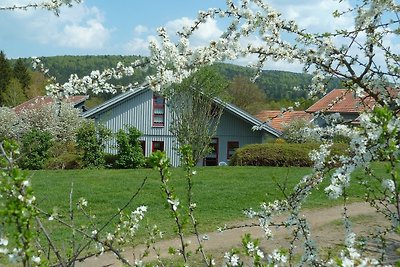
(77, 101)
(278, 119)
(340, 101)
(150, 114)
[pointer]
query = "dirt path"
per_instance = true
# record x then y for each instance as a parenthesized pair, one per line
(326, 227)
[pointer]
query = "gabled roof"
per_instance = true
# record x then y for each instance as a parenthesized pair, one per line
(249, 118)
(277, 118)
(231, 108)
(41, 101)
(341, 101)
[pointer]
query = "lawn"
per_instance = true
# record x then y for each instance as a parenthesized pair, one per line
(221, 193)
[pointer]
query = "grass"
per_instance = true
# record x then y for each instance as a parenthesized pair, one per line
(220, 192)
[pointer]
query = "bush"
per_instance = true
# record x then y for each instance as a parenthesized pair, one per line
(110, 161)
(35, 147)
(280, 141)
(91, 141)
(278, 154)
(130, 153)
(66, 161)
(64, 156)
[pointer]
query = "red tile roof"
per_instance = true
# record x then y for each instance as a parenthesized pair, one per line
(277, 119)
(341, 101)
(41, 101)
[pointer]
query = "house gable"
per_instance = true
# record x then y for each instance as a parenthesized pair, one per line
(133, 110)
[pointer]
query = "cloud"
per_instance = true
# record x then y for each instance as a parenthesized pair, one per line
(202, 36)
(140, 29)
(176, 25)
(139, 46)
(314, 15)
(78, 27)
(206, 32)
(92, 35)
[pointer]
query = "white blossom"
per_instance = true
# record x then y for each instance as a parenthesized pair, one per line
(174, 203)
(231, 259)
(3, 242)
(94, 233)
(82, 202)
(389, 185)
(36, 259)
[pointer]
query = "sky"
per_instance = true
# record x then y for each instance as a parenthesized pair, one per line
(124, 27)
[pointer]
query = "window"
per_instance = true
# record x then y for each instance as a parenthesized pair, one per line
(232, 146)
(157, 146)
(143, 146)
(212, 158)
(158, 110)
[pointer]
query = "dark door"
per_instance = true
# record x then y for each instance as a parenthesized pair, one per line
(212, 158)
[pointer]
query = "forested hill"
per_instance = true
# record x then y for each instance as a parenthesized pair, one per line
(277, 85)
(63, 66)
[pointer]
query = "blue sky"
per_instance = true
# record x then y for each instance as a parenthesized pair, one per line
(123, 27)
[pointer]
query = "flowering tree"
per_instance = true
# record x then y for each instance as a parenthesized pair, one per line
(361, 55)
(61, 120)
(195, 111)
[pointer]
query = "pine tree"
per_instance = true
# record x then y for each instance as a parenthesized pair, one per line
(21, 73)
(13, 94)
(5, 74)
(37, 85)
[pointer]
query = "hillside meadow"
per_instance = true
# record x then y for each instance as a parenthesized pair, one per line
(221, 193)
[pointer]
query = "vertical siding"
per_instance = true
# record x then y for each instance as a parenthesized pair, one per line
(169, 147)
(136, 111)
(233, 128)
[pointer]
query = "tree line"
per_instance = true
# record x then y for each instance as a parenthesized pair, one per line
(18, 82)
(272, 90)
(278, 87)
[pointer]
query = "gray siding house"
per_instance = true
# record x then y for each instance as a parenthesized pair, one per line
(150, 114)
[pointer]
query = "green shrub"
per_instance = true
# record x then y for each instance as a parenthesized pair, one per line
(130, 153)
(35, 147)
(280, 141)
(91, 140)
(64, 155)
(66, 161)
(110, 161)
(278, 154)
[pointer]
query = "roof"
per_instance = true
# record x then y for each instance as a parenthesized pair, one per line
(341, 101)
(249, 118)
(277, 118)
(41, 101)
(231, 108)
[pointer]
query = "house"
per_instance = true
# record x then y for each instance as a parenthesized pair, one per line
(278, 119)
(77, 101)
(340, 101)
(149, 113)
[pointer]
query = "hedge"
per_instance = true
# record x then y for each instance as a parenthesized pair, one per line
(275, 154)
